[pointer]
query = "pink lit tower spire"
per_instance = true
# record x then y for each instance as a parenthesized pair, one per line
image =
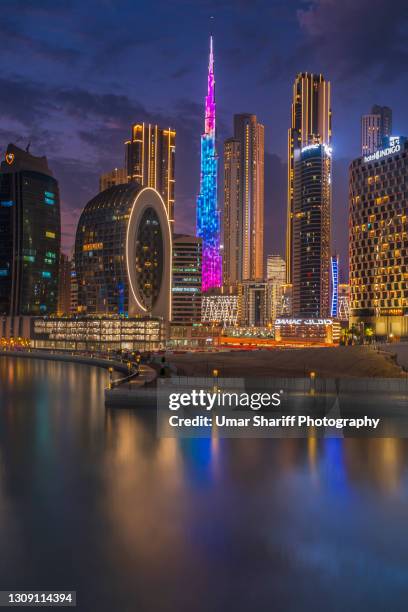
(210, 97)
(208, 215)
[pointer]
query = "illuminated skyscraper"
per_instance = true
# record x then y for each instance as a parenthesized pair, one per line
(378, 242)
(232, 255)
(312, 231)
(208, 216)
(276, 275)
(186, 289)
(375, 126)
(244, 201)
(150, 161)
(334, 309)
(310, 124)
(123, 250)
(30, 235)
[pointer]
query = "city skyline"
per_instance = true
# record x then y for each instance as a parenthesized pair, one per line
(67, 94)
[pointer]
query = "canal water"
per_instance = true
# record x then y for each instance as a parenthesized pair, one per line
(91, 500)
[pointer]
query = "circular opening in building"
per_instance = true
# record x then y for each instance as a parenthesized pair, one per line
(149, 255)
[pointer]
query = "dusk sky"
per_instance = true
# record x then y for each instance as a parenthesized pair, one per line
(76, 74)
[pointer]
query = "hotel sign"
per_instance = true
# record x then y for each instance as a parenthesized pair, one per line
(394, 147)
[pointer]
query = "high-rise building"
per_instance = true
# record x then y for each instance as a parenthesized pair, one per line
(30, 235)
(375, 126)
(150, 161)
(334, 303)
(255, 304)
(244, 201)
(123, 251)
(186, 289)
(310, 124)
(344, 302)
(117, 176)
(64, 286)
(378, 243)
(208, 215)
(276, 276)
(232, 254)
(312, 231)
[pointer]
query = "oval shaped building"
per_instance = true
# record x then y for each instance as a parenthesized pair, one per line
(123, 254)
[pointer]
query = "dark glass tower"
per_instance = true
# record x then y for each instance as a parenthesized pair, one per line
(311, 123)
(312, 231)
(30, 235)
(100, 262)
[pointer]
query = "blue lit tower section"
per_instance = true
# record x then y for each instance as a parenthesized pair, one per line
(335, 286)
(208, 216)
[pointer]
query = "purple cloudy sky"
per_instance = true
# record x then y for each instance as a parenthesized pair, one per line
(74, 76)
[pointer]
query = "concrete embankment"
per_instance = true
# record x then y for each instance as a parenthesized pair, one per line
(123, 397)
(140, 392)
(398, 351)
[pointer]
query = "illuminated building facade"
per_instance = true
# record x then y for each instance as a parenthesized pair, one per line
(307, 330)
(97, 333)
(186, 288)
(244, 201)
(232, 254)
(378, 240)
(311, 123)
(208, 215)
(276, 268)
(312, 232)
(222, 309)
(334, 267)
(344, 302)
(150, 161)
(375, 126)
(276, 275)
(30, 235)
(117, 176)
(123, 254)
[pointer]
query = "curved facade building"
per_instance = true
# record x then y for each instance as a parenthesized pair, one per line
(123, 254)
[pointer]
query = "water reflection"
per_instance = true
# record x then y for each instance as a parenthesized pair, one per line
(91, 499)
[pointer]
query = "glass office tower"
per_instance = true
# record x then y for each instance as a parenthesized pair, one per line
(30, 235)
(312, 232)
